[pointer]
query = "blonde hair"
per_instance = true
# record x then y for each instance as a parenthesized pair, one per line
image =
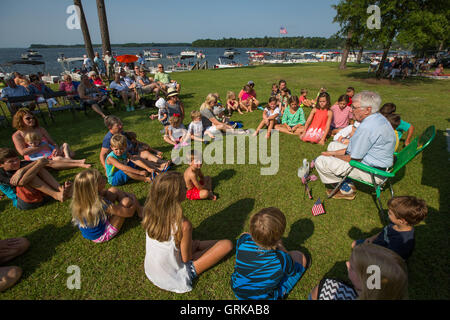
(163, 214)
(195, 114)
(231, 94)
(87, 206)
(118, 140)
(209, 98)
(393, 272)
(267, 226)
(32, 136)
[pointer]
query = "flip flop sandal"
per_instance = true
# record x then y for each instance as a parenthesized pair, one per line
(167, 168)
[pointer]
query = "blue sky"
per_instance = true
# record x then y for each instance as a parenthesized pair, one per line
(44, 21)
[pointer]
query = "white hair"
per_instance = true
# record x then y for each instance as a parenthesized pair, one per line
(368, 99)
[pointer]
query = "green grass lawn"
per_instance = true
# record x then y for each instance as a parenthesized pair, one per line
(115, 270)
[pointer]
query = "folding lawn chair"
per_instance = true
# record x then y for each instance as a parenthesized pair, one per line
(400, 160)
(67, 105)
(23, 100)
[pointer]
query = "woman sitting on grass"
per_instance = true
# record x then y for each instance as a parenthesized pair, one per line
(98, 212)
(26, 123)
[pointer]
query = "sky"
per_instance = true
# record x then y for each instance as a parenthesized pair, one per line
(23, 22)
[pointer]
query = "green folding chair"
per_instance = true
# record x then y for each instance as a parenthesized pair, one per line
(400, 160)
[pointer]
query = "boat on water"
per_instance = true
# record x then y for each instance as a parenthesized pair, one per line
(230, 52)
(186, 54)
(223, 63)
(200, 55)
(39, 66)
(153, 54)
(31, 55)
(70, 66)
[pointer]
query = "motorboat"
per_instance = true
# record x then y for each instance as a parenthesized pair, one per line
(223, 63)
(186, 54)
(31, 55)
(230, 52)
(200, 55)
(153, 54)
(8, 68)
(69, 65)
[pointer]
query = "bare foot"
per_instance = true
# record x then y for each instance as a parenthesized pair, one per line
(267, 135)
(148, 180)
(213, 197)
(68, 190)
(86, 165)
(255, 134)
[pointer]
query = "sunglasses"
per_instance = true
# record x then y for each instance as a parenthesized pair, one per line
(29, 118)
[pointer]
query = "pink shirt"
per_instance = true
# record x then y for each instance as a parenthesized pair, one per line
(341, 117)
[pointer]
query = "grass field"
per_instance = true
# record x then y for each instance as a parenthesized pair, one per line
(115, 270)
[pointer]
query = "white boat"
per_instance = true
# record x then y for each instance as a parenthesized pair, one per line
(68, 64)
(31, 55)
(230, 53)
(200, 55)
(223, 63)
(153, 54)
(188, 54)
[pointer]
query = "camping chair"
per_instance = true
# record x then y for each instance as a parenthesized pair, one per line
(66, 104)
(3, 118)
(400, 160)
(22, 100)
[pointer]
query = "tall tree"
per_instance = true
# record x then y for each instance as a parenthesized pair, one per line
(350, 15)
(103, 21)
(85, 31)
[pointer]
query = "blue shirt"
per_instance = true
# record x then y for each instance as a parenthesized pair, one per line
(95, 232)
(107, 143)
(258, 272)
(402, 128)
(401, 243)
(18, 91)
(373, 142)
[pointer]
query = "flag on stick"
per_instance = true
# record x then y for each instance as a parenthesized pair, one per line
(283, 30)
(317, 208)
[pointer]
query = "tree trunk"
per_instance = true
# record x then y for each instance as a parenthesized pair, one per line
(85, 31)
(106, 45)
(343, 64)
(383, 59)
(360, 53)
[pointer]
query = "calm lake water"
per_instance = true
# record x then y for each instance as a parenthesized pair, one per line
(54, 68)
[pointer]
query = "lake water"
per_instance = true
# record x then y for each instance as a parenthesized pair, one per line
(53, 67)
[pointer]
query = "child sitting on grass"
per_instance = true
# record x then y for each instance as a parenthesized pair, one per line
(195, 129)
(275, 90)
(318, 124)
(246, 100)
(404, 212)
(403, 127)
(163, 113)
(198, 186)
(283, 99)
(98, 212)
(344, 135)
(293, 118)
(393, 279)
(264, 269)
(342, 114)
(271, 117)
(175, 132)
(172, 258)
(232, 103)
(120, 166)
(303, 101)
(34, 140)
(395, 120)
(27, 183)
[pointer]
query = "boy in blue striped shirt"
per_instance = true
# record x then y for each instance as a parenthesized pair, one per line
(264, 268)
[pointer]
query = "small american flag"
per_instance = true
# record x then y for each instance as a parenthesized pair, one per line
(317, 208)
(283, 30)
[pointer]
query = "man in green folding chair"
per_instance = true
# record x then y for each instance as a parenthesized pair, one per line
(373, 144)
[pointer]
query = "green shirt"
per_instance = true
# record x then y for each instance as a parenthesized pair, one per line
(163, 77)
(293, 119)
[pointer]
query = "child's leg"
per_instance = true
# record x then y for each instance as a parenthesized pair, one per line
(270, 127)
(288, 282)
(260, 126)
(143, 164)
(147, 155)
(213, 255)
(169, 141)
(66, 151)
(57, 194)
(299, 130)
(67, 164)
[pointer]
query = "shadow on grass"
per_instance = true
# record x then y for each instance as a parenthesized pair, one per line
(44, 242)
(223, 175)
(226, 224)
(300, 231)
(371, 79)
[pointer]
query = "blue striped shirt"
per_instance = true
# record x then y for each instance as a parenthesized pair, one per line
(258, 272)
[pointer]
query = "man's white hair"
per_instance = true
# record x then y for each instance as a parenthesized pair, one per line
(368, 99)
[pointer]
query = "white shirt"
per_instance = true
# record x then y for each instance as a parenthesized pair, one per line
(270, 113)
(87, 62)
(196, 128)
(164, 267)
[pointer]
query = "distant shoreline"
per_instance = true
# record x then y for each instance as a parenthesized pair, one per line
(123, 45)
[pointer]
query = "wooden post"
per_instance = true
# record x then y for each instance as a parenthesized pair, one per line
(101, 11)
(85, 31)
